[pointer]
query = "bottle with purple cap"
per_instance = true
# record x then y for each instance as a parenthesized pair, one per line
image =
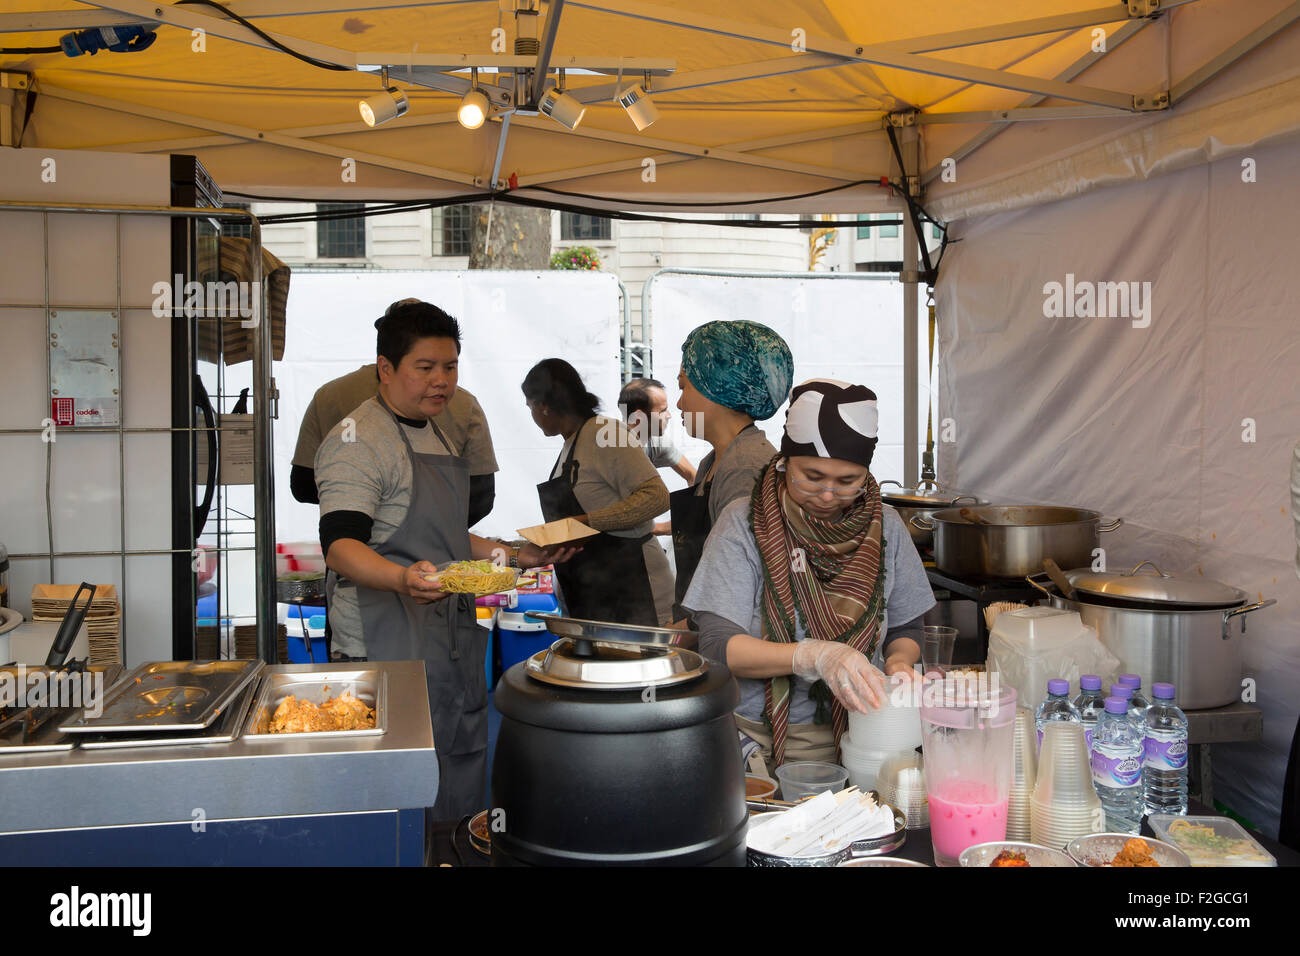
(1117, 753)
(1137, 706)
(1055, 706)
(1164, 765)
(1090, 703)
(1125, 693)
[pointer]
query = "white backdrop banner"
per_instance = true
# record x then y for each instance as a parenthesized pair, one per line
(840, 326)
(509, 321)
(1134, 351)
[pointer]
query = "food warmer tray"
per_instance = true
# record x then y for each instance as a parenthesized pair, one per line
(168, 695)
(50, 736)
(369, 685)
(222, 731)
(583, 630)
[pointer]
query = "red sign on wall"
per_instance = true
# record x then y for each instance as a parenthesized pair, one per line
(62, 411)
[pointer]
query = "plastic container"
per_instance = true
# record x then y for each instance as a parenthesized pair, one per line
(967, 730)
(1030, 646)
(890, 728)
(1055, 706)
(1164, 761)
(807, 778)
(519, 637)
(297, 648)
(1186, 834)
(901, 784)
(1024, 777)
(1090, 703)
(862, 764)
(1117, 767)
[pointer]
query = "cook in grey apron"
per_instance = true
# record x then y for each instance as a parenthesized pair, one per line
(443, 634)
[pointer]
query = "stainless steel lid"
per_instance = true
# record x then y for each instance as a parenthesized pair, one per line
(604, 665)
(1156, 586)
(927, 494)
(612, 633)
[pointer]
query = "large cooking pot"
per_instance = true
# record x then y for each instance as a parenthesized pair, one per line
(925, 499)
(1011, 541)
(1186, 631)
(614, 754)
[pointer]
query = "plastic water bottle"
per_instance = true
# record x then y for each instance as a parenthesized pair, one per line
(1125, 693)
(1164, 766)
(1056, 706)
(1090, 704)
(1117, 752)
(1137, 707)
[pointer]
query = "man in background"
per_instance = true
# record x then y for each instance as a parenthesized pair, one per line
(462, 421)
(644, 402)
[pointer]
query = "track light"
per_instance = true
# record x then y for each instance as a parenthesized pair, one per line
(562, 108)
(473, 109)
(639, 106)
(384, 106)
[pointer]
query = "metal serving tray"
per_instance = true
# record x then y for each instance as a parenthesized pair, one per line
(370, 686)
(168, 695)
(50, 736)
(228, 727)
(584, 630)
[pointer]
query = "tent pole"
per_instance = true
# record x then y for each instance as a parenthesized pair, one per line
(908, 146)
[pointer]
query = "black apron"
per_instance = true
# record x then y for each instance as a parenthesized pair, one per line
(689, 510)
(444, 634)
(607, 580)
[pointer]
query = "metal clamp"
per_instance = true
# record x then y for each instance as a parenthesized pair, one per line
(1148, 102)
(1229, 615)
(921, 522)
(1113, 526)
(1140, 9)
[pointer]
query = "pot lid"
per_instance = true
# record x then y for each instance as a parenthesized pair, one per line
(926, 495)
(604, 665)
(1156, 586)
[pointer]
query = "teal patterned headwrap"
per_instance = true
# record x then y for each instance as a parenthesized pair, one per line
(740, 365)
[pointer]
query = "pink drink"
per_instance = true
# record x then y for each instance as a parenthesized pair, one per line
(964, 814)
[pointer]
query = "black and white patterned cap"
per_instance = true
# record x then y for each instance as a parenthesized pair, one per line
(830, 419)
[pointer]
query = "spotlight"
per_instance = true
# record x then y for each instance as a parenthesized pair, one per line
(562, 108)
(384, 106)
(473, 109)
(638, 105)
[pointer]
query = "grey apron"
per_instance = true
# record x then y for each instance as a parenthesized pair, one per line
(443, 634)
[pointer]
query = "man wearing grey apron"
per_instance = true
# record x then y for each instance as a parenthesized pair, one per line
(394, 498)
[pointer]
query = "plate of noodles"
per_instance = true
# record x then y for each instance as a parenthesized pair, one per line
(474, 577)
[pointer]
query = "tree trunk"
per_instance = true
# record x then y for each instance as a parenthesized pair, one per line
(519, 237)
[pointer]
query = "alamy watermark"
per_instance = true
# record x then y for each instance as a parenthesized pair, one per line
(212, 300)
(39, 687)
(1100, 300)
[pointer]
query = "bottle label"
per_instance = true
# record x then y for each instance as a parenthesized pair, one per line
(1116, 772)
(1165, 754)
(1087, 735)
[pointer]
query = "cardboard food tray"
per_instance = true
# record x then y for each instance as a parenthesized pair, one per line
(564, 531)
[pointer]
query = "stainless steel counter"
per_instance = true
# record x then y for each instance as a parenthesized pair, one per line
(239, 780)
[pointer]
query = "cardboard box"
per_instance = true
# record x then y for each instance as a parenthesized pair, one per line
(552, 533)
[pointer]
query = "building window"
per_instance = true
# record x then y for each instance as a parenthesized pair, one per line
(236, 227)
(340, 238)
(885, 232)
(935, 232)
(451, 230)
(576, 226)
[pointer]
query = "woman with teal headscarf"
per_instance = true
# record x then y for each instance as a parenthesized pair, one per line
(733, 374)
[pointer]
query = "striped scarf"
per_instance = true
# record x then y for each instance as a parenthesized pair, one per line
(829, 573)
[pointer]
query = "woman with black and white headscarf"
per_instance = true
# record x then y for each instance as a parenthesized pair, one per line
(805, 584)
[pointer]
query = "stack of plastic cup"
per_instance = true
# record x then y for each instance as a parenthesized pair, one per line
(874, 736)
(1065, 804)
(1026, 775)
(901, 785)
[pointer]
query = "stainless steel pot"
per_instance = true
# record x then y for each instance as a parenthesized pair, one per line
(1198, 650)
(925, 499)
(1011, 541)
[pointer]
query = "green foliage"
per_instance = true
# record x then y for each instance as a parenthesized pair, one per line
(576, 257)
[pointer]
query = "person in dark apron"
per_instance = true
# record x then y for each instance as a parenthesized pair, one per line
(732, 374)
(398, 610)
(610, 579)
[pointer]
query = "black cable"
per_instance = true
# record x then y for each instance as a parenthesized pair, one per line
(745, 202)
(912, 205)
(31, 49)
(321, 64)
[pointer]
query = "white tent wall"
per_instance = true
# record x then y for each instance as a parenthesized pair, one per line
(844, 327)
(1184, 428)
(509, 321)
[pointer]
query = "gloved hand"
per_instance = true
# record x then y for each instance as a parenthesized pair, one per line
(847, 672)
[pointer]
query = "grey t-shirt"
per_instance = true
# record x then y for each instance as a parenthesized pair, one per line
(610, 467)
(741, 463)
(729, 583)
(370, 473)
